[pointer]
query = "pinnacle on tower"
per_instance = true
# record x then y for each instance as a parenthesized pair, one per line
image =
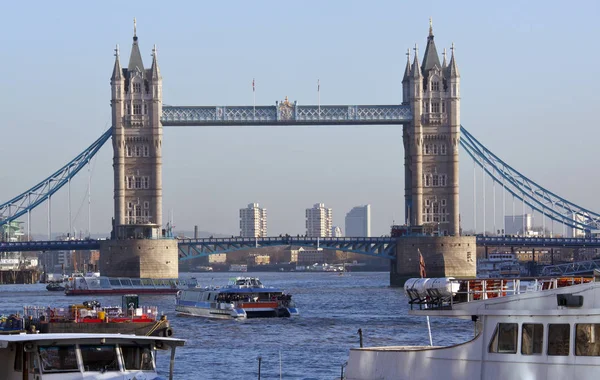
(135, 59)
(444, 63)
(452, 66)
(154, 70)
(416, 68)
(407, 69)
(117, 70)
(430, 59)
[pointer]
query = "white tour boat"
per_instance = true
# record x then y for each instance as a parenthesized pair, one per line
(537, 329)
(242, 297)
(82, 356)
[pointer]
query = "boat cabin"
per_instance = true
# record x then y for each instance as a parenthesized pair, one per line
(82, 356)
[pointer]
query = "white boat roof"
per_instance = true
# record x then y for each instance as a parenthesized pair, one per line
(16, 338)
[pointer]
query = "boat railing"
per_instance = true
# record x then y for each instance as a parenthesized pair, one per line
(470, 290)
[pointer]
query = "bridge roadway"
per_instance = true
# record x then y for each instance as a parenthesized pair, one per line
(384, 247)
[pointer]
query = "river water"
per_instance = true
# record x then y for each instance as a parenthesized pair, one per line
(311, 346)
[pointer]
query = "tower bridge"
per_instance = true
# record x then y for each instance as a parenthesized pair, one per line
(432, 133)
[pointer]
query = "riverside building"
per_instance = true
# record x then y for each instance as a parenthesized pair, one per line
(358, 221)
(319, 221)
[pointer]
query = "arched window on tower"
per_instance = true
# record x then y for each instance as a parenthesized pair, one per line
(146, 151)
(138, 151)
(130, 182)
(145, 109)
(435, 181)
(435, 149)
(128, 149)
(427, 180)
(443, 106)
(443, 149)
(443, 180)
(427, 149)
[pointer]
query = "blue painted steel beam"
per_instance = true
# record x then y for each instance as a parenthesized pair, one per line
(30, 199)
(378, 247)
(535, 196)
(54, 245)
(286, 114)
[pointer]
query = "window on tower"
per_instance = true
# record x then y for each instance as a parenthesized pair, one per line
(435, 149)
(443, 148)
(427, 180)
(138, 183)
(145, 109)
(137, 109)
(443, 107)
(427, 149)
(435, 86)
(137, 88)
(435, 180)
(146, 151)
(435, 107)
(128, 149)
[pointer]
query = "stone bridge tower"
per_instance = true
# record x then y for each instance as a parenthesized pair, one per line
(138, 245)
(431, 142)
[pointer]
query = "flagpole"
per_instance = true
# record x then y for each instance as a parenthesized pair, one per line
(319, 97)
(254, 100)
(423, 274)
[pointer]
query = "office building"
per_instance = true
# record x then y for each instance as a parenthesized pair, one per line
(358, 221)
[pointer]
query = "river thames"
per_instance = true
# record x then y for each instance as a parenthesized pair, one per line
(312, 346)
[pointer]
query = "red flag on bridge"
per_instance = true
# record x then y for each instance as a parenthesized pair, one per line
(421, 265)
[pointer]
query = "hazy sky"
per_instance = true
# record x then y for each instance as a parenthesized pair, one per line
(529, 76)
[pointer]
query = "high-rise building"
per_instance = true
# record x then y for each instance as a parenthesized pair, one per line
(319, 221)
(253, 221)
(358, 221)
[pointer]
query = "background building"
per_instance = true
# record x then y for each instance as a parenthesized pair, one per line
(520, 225)
(336, 231)
(319, 221)
(253, 221)
(358, 221)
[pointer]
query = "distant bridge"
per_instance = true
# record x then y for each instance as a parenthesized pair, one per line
(384, 247)
(497, 241)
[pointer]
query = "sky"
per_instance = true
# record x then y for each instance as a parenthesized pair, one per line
(529, 87)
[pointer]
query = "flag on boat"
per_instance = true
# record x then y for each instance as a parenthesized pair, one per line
(421, 265)
(253, 88)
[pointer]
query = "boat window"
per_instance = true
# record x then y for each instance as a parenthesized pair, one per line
(58, 359)
(104, 283)
(99, 358)
(115, 282)
(558, 339)
(504, 340)
(587, 339)
(147, 282)
(532, 338)
(135, 281)
(125, 282)
(137, 357)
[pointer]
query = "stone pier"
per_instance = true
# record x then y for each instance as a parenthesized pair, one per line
(444, 256)
(139, 258)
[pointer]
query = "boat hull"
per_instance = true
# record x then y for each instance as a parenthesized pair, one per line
(237, 313)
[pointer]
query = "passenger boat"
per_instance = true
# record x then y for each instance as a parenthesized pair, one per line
(82, 356)
(101, 285)
(91, 317)
(55, 287)
(524, 329)
(242, 297)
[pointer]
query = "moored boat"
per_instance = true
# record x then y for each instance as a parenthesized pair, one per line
(83, 356)
(91, 317)
(101, 285)
(242, 297)
(524, 329)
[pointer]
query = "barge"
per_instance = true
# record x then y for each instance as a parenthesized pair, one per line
(101, 285)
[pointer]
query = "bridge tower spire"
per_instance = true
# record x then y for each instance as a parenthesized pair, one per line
(431, 142)
(134, 249)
